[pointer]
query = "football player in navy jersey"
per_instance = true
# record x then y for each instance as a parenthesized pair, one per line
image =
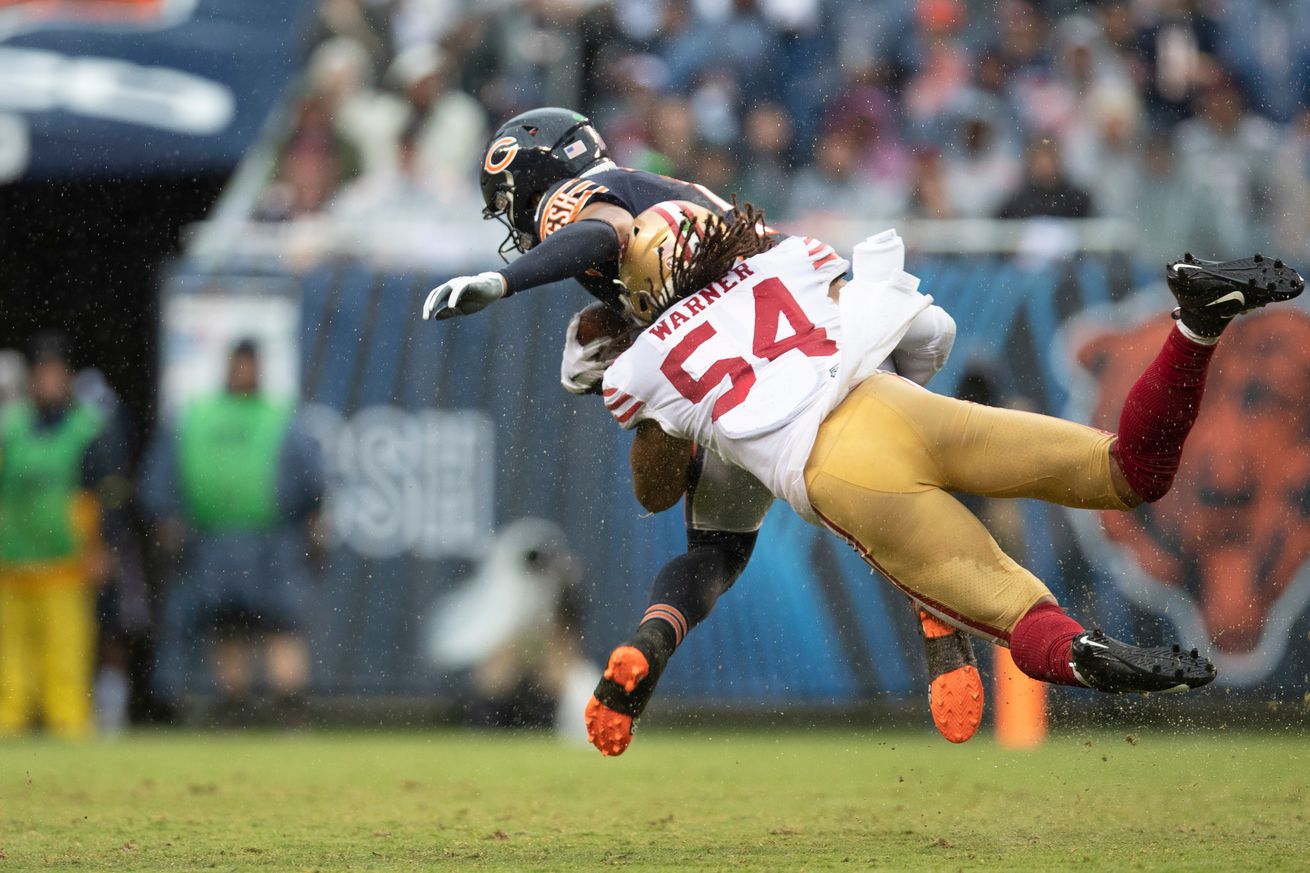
(566, 206)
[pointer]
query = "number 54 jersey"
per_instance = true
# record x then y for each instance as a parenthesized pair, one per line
(747, 366)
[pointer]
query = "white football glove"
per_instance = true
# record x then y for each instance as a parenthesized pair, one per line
(463, 295)
(583, 367)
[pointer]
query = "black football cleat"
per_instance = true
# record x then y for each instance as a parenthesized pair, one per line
(1106, 664)
(1211, 293)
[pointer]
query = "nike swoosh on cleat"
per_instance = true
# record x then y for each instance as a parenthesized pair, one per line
(1231, 295)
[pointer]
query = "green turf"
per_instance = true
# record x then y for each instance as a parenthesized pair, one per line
(780, 800)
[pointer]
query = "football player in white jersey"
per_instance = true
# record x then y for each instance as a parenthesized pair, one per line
(567, 207)
(725, 507)
(758, 349)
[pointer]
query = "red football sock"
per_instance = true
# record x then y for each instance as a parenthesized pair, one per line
(1041, 642)
(1159, 413)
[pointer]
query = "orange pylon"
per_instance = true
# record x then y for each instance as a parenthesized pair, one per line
(1020, 705)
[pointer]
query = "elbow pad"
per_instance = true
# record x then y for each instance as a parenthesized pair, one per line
(924, 349)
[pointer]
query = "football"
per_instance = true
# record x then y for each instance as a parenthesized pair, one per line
(600, 321)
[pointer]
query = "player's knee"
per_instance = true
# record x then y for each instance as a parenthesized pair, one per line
(1136, 483)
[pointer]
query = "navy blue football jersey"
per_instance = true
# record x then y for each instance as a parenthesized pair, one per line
(634, 190)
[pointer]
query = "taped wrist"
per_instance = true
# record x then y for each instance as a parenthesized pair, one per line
(563, 255)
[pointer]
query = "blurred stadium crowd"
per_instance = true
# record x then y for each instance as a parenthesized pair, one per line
(1183, 116)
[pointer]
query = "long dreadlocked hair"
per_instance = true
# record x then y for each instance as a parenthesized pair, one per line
(740, 234)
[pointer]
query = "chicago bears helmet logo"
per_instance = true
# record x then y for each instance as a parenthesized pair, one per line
(508, 149)
(1225, 555)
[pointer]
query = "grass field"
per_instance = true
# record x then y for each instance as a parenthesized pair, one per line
(781, 800)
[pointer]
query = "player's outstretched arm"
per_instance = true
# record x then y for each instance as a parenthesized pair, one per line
(591, 240)
(660, 464)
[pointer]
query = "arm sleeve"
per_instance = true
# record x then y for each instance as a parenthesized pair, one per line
(693, 581)
(564, 254)
(926, 345)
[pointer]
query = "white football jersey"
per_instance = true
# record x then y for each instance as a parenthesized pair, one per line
(748, 366)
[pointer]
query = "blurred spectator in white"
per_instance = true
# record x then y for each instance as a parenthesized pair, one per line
(451, 127)
(835, 185)
(642, 23)
(1291, 186)
(341, 74)
(1083, 64)
(766, 177)
(425, 22)
(13, 376)
(980, 167)
(516, 627)
(1177, 46)
(1227, 153)
(714, 104)
(1102, 151)
(792, 15)
(363, 21)
(1046, 190)
(397, 194)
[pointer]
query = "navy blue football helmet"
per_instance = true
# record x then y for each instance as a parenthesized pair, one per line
(527, 156)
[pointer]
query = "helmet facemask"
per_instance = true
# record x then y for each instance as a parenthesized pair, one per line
(501, 209)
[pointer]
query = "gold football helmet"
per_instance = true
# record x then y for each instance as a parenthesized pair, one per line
(665, 231)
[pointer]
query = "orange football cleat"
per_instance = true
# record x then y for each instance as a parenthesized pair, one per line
(627, 667)
(608, 730)
(955, 691)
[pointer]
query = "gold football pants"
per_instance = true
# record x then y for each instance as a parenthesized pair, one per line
(885, 460)
(47, 649)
